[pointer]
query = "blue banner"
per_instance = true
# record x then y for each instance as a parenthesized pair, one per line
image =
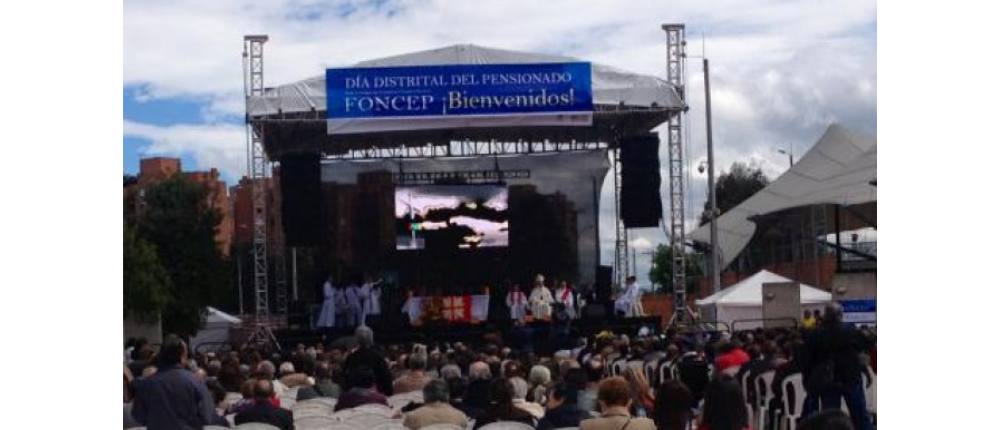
(458, 90)
(859, 311)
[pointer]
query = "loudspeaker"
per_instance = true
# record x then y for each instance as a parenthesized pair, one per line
(300, 199)
(641, 205)
(602, 289)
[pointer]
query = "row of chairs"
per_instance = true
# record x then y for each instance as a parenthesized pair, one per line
(793, 398)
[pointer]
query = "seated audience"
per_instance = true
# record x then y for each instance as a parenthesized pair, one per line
(361, 391)
(264, 409)
(436, 409)
(560, 408)
(501, 407)
(614, 397)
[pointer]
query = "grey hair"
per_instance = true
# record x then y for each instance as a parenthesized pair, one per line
(451, 371)
(266, 367)
(417, 361)
(540, 375)
(364, 336)
(520, 387)
(479, 370)
(436, 391)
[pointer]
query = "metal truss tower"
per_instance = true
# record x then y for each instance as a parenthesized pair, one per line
(676, 55)
(253, 84)
(621, 233)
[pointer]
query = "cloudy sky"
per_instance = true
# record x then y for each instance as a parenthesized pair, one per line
(781, 70)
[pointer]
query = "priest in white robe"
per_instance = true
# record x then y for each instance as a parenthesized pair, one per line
(327, 315)
(541, 300)
(517, 303)
(566, 296)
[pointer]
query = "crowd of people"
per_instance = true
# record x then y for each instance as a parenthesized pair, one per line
(605, 382)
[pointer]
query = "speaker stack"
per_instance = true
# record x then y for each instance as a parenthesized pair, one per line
(641, 205)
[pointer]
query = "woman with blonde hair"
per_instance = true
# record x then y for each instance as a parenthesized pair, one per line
(642, 398)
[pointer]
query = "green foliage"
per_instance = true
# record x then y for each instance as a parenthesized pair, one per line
(738, 184)
(662, 272)
(146, 283)
(178, 221)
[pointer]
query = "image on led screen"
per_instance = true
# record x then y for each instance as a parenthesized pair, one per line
(452, 216)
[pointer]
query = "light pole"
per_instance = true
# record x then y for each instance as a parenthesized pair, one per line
(788, 153)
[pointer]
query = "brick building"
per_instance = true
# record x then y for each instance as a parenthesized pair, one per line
(155, 170)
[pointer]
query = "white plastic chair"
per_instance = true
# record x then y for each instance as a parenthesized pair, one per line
(442, 427)
(374, 408)
(392, 424)
(368, 421)
(315, 422)
(399, 401)
(568, 428)
(507, 425)
(731, 371)
(255, 426)
(215, 428)
(764, 395)
(792, 387)
(288, 398)
(652, 375)
(665, 371)
(617, 367)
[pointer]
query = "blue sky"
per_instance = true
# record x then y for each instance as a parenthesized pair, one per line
(782, 70)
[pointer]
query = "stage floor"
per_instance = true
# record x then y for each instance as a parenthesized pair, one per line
(473, 334)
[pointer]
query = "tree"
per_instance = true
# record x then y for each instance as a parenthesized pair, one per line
(177, 219)
(662, 271)
(738, 184)
(146, 282)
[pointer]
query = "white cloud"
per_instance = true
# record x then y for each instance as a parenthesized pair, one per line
(222, 146)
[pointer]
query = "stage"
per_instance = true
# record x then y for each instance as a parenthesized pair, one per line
(400, 332)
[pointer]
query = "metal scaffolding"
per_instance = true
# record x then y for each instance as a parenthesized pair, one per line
(253, 84)
(469, 148)
(621, 233)
(676, 54)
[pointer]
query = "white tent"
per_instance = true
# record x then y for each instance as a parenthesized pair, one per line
(217, 328)
(744, 300)
(839, 169)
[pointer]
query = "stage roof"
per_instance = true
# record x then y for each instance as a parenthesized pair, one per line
(294, 115)
(839, 169)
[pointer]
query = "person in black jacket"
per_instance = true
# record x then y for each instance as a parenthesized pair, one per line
(560, 408)
(264, 410)
(366, 356)
(836, 346)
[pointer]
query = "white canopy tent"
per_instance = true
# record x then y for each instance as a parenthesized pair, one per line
(217, 328)
(839, 169)
(744, 300)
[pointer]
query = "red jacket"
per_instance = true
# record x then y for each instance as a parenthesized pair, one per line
(735, 358)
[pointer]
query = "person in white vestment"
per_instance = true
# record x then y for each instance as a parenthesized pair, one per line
(541, 300)
(633, 295)
(567, 297)
(517, 303)
(327, 315)
(413, 307)
(374, 306)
